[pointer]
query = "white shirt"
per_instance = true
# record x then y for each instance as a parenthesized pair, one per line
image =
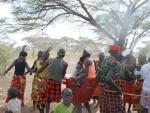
(14, 105)
(145, 73)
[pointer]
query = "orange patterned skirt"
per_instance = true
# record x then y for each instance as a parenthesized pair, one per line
(19, 83)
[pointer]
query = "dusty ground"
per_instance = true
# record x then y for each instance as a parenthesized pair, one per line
(4, 85)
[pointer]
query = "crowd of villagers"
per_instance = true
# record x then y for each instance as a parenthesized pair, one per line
(111, 82)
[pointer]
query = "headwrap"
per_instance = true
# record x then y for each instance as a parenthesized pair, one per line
(115, 47)
(88, 50)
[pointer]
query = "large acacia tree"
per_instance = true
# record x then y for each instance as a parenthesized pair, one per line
(125, 18)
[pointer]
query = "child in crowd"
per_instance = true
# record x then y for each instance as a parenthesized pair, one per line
(65, 106)
(14, 104)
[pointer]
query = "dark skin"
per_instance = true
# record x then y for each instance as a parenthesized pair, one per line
(46, 64)
(33, 68)
(142, 59)
(101, 56)
(110, 81)
(47, 105)
(44, 57)
(84, 74)
(13, 64)
(130, 60)
(87, 63)
(110, 74)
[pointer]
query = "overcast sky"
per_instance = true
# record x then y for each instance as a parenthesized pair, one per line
(56, 30)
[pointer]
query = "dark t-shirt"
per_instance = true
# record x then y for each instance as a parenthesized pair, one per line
(19, 67)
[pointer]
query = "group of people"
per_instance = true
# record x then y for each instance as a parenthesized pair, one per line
(113, 81)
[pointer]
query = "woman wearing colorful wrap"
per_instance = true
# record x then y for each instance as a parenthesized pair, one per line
(19, 78)
(38, 83)
(96, 93)
(111, 95)
(52, 84)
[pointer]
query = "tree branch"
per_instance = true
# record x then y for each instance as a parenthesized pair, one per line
(85, 9)
(142, 3)
(54, 19)
(123, 2)
(140, 36)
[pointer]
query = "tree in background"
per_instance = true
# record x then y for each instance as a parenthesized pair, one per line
(145, 49)
(7, 54)
(123, 21)
(3, 28)
(70, 44)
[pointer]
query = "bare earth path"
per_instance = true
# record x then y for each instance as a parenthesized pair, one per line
(4, 85)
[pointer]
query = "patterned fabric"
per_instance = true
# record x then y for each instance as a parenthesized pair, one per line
(107, 64)
(19, 83)
(52, 91)
(110, 102)
(145, 101)
(37, 94)
(137, 90)
(83, 93)
(128, 88)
